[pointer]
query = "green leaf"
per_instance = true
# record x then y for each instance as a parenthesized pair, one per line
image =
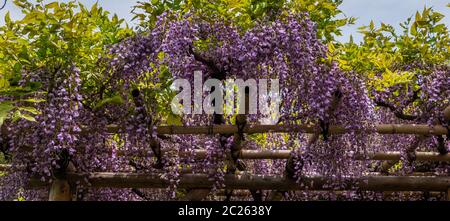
(174, 120)
(94, 9)
(52, 5)
(439, 28)
(32, 100)
(28, 117)
(413, 29)
(418, 16)
(4, 83)
(116, 100)
(19, 115)
(5, 108)
(29, 18)
(29, 109)
(7, 18)
(437, 16)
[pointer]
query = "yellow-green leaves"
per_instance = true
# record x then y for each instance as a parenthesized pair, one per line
(32, 100)
(173, 119)
(31, 110)
(52, 5)
(19, 115)
(395, 61)
(8, 109)
(390, 78)
(50, 35)
(7, 18)
(5, 108)
(3, 83)
(115, 100)
(325, 13)
(372, 25)
(245, 13)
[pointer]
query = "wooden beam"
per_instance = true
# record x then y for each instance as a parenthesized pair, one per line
(420, 156)
(448, 194)
(418, 129)
(190, 181)
(284, 154)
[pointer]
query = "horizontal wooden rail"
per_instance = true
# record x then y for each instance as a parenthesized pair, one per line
(373, 183)
(284, 154)
(419, 129)
(420, 156)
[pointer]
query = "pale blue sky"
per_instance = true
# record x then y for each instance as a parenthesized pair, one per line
(387, 11)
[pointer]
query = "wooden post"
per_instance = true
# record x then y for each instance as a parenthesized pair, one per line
(448, 194)
(290, 166)
(60, 191)
(447, 113)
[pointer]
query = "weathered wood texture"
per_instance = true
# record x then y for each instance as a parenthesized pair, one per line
(418, 129)
(191, 181)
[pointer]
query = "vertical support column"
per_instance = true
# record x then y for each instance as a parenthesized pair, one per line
(447, 118)
(60, 191)
(217, 72)
(448, 194)
(447, 113)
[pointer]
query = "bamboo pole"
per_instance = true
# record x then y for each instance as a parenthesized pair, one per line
(284, 154)
(371, 183)
(60, 191)
(189, 170)
(418, 129)
(448, 194)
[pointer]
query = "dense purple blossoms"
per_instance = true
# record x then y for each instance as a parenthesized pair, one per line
(314, 92)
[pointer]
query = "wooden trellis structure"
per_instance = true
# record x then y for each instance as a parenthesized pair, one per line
(60, 189)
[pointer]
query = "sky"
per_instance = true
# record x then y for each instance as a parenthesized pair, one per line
(388, 11)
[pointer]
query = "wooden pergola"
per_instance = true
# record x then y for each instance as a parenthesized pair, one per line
(60, 188)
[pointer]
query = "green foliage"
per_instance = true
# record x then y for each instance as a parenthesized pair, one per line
(384, 54)
(242, 13)
(245, 13)
(115, 100)
(2, 161)
(5, 109)
(11, 110)
(49, 36)
(325, 13)
(58, 34)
